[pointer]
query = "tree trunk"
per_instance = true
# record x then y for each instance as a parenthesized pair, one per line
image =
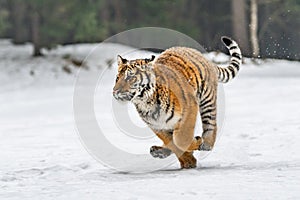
(35, 33)
(117, 9)
(253, 28)
(240, 28)
(19, 30)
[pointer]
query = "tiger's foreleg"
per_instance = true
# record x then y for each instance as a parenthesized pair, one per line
(185, 158)
(183, 136)
(165, 150)
(168, 146)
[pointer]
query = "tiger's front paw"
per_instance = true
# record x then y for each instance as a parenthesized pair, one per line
(160, 152)
(205, 147)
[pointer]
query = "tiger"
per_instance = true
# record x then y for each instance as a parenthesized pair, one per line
(169, 90)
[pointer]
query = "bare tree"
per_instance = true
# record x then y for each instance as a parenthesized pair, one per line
(18, 15)
(239, 22)
(253, 28)
(35, 33)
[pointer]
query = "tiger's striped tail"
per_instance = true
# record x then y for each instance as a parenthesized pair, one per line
(225, 74)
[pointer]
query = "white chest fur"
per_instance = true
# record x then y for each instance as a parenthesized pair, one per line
(162, 123)
(155, 117)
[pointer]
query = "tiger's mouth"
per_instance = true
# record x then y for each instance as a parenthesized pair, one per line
(126, 96)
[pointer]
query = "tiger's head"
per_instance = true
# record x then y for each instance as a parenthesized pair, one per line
(135, 79)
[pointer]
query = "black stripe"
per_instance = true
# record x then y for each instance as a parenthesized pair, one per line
(235, 65)
(148, 78)
(236, 55)
(184, 61)
(207, 111)
(223, 74)
(227, 73)
(199, 69)
(208, 117)
(233, 59)
(157, 108)
(233, 47)
(168, 106)
(208, 129)
(220, 73)
(221, 77)
(142, 92)
(171, 75)
(207, 106)
(172, 113)
(207, 122)
(194, 73)
(145, 88)
(157, 97)
(205, 102)
(175, 78)
(191, 57)
(208, 92)
(181, 67)
(168, 103)
(230, 68)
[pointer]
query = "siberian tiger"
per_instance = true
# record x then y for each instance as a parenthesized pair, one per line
(169, 90)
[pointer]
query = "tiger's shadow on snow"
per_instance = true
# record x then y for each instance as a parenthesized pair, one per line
(215, 168)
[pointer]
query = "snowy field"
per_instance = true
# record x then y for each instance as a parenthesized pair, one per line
(41, 155)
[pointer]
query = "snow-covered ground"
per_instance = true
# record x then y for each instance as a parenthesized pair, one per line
(41, 156)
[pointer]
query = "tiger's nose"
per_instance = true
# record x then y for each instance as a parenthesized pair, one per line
(115, 93)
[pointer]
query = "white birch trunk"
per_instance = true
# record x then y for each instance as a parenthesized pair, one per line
(253, 28)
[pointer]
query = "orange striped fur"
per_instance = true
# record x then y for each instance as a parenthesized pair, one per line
(169, 91)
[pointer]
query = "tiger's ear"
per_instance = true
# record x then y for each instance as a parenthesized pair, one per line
(148, 65)
(121, 60)
(152, 58)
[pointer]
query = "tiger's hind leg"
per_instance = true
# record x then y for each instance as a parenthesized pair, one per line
(208, 112)
(187, 160)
